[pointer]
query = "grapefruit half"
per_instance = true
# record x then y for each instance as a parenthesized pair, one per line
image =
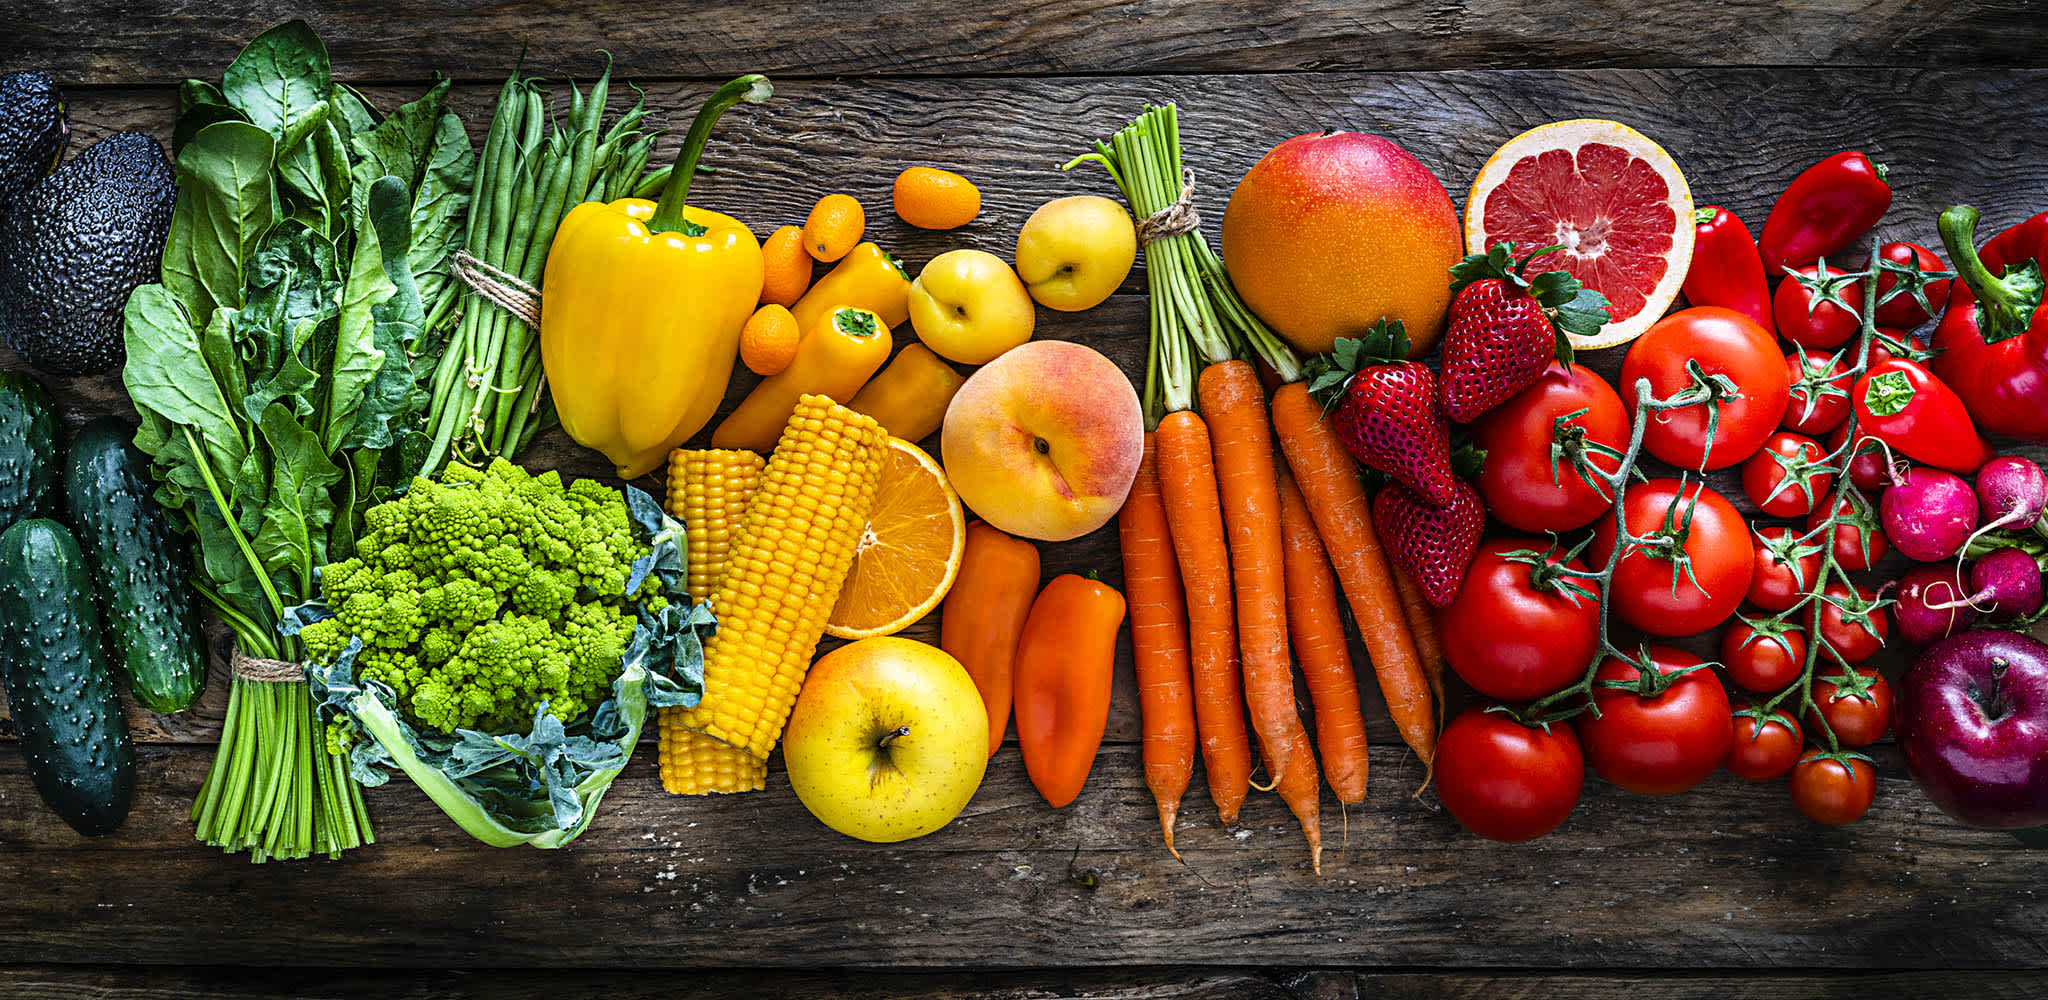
(1613, 200)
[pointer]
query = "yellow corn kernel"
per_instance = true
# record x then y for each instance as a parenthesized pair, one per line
(789, 560)
(708, 491)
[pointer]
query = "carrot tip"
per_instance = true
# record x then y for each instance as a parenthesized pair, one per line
(1167, 812)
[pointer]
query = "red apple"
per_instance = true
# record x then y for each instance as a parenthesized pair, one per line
(1972, 720)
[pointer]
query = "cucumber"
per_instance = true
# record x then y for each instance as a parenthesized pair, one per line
(141, 571)
(66, 716)
(28, 449)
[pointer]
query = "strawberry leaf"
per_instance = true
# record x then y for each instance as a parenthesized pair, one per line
(1582, 314)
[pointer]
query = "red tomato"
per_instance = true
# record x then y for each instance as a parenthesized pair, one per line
(1858, 709)
(1814, 319)
(1784, 569)
(1771, 479)
(1819, 399)
(1763, 661)
(1833, 790)
(1528, 480)
(1715, 542)
(1764, 747)
(1724, 342)
(1856, 635)
(1867, 470)
(1859, 542)
(1904, 312)
(1663, 744)
(1515, 633)
(1506, 781)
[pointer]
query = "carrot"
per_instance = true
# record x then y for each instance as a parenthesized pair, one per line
(1343, 516)
(1234, 404)
(1194, 518)
(1422, 624)
(1159, 638)
(1317, 625)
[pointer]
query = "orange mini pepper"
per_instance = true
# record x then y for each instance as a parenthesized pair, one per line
(1062, 679)
(984, 616)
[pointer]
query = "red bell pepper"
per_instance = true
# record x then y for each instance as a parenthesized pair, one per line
(1904, 405)
(1726, 269)
(1993, 337)
(1823, 210)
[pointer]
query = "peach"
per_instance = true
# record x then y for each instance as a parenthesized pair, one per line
(1044, 441)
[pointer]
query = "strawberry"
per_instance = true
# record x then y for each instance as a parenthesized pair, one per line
(1434, 544)
(1386, 411)
(1505, 328)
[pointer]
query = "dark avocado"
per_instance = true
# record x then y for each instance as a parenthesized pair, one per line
(33, 132)
(73, 247)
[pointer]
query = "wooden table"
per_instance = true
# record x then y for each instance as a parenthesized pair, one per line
(1722, 890)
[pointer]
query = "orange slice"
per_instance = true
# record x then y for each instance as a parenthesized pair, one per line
(908, 555)
(1612, 198)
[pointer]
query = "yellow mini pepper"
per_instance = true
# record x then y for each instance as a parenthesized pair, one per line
(833, 360)
(910, 397)
(641, 309)
(867, 278)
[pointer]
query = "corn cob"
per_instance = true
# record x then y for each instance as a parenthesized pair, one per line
(708, 490)
(789, 560)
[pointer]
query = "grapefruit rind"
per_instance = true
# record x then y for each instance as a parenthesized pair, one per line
(1570, 136)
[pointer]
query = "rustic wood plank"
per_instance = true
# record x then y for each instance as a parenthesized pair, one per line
(376, 41)
(57, 982)
(773, 159)
(1724, 876)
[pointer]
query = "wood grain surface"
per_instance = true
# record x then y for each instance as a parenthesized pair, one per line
(720, 38)
(1726, 877)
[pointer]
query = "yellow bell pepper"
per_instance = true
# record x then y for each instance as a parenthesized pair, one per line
(867, 279)
(641, 309)
(910, 397)
(835, 360)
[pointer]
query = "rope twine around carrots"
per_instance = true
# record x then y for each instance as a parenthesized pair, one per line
(504, 290)
(1177, 219)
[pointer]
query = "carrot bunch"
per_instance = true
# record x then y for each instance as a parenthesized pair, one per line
(1230, 570)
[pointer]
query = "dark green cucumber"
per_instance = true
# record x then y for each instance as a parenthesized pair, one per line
(28, 449)
(141, 570)
(66, 716)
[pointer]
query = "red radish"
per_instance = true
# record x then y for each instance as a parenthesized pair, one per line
(1929, 514)
(2012, 492)
(2004, 585)
(1929, 604)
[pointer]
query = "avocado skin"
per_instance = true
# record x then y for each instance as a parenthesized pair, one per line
(74, 246)
(33, 131)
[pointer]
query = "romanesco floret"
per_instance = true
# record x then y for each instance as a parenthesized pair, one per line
(483, 595)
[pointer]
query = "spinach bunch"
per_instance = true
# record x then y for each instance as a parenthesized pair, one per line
(280, 366)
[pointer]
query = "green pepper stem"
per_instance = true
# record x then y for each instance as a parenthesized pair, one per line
(2008, 302)
(752, 88)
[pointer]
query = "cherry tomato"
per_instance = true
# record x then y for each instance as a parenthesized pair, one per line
(1858, 709)
(1859, 543)
(1784, 569)
(1663, 744)
(1809, 318)
(1855, 635)
(1819, 399)
(1723, 342)
(1763, 661)
(1528, 480)
(1715, 543)
(1868, 469)
(1832, 790)
(1904, 312)
(1771, 481)
(1518, 630)
(1506, 781)
(1764, 747)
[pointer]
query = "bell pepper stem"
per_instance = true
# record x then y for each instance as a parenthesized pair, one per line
(752, 88)
(2007, 301)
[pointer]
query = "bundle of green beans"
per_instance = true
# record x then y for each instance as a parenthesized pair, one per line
(488, 389)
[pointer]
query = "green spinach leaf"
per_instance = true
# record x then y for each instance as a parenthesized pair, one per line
(226, 203)
(281, 80)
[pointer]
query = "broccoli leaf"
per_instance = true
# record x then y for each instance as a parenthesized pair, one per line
(670, 544)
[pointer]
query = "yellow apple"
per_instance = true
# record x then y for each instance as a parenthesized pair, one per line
(1074, 252)
(888, 739)
(969, 306)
